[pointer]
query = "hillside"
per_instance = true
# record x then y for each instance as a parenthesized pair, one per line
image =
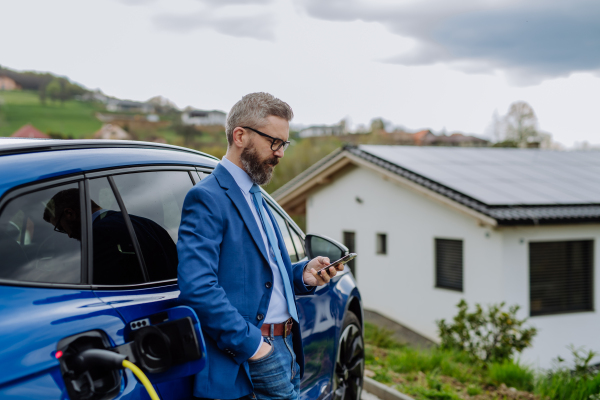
(72, 118)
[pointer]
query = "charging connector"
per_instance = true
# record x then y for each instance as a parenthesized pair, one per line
(94, 358)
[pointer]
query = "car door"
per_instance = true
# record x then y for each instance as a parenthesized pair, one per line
(44, 286)
(317, 318)
(137, 276)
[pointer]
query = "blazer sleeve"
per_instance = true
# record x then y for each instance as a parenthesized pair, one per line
(299, 287)
(198, 248)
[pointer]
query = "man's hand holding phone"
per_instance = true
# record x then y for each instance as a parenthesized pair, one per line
(320, 270)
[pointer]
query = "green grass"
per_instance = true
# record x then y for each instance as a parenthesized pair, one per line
(380, 337)
(563, 385)
(512, 374)
(23, 107)
(436, 374)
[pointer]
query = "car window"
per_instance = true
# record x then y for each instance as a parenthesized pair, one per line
(286, 235)
(154, 201)
(40, 236)
(114, 258)
(299, 243)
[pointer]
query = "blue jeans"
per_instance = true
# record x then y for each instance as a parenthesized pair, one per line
(276, 376)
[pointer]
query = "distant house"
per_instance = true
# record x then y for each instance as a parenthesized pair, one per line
(433, 225)
(323, 130)
(428, 138)
(112, 132)
(29, 131)
(7, 83)
(116, 105)
(192, 116)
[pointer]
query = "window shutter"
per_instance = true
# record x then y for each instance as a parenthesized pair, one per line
(449, 264)
(560, 276)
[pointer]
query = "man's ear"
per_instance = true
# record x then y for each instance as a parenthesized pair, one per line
(238, 137)
(71, 213)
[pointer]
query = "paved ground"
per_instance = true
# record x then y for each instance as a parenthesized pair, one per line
(399, 332)
(368, 396)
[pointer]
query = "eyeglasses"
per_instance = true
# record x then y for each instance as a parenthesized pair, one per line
(276, 143)
(56, 228)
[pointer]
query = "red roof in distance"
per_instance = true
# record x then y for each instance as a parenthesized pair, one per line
(29, 131)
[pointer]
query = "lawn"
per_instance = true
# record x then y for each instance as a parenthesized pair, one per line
(451, 375)
(23, 107)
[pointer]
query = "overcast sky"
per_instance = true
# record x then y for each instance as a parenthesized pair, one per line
(435, 64)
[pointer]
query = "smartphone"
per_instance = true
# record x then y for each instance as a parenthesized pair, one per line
(343, 260)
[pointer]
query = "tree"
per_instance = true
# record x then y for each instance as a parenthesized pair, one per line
(54, 90)
(520, 123)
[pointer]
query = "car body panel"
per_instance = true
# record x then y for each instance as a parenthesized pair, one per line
(33, 321)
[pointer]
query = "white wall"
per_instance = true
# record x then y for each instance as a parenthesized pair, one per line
(555, 332)
(401, 283)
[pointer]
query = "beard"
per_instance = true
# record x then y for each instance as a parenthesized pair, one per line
(259, 171)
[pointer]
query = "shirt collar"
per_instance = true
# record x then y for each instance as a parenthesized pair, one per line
(239, 175)
(98, 213)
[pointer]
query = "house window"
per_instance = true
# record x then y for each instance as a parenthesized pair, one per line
(381, 243)
(449, 264)
(350, 243)
(560, 277)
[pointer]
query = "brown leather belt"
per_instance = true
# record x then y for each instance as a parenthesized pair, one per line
(283, 329)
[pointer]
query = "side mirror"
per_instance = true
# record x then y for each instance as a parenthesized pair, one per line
(319, 245)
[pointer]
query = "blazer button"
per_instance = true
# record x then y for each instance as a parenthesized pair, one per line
(260, 317)
(268, 285)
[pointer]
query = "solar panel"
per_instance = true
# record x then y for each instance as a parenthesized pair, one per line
(497, 176)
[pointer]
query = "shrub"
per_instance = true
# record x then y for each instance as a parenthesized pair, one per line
(512, 374)
(493, 335)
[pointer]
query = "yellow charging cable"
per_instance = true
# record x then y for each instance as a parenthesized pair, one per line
(142, 378)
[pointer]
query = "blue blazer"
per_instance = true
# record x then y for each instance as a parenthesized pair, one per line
(223, 273)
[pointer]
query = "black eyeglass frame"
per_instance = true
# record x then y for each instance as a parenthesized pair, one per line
(56, 228)
(284, 144)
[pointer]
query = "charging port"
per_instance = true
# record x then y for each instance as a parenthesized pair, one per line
(82, 381)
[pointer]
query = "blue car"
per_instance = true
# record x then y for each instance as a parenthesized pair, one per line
(88, 264)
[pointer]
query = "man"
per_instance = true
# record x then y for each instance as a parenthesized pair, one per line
(234, 270)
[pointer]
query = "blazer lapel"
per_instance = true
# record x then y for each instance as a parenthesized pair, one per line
(234, 192)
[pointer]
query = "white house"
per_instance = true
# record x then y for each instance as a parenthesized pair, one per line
(323, 130)
(435, 225)
(203, 118)
(116, 105)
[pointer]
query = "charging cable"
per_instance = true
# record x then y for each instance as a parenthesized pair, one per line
(108, 359)
(142, 378)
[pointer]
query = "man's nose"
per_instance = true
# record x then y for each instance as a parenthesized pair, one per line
(279, 153)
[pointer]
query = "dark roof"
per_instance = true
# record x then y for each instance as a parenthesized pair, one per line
(494, 182)
(511, 212)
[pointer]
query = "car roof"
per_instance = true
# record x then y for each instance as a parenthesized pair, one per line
(28, 161)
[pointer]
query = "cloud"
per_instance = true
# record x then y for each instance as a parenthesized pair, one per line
(238, 26)
(530, 41)
(136, 2)
(222, 3)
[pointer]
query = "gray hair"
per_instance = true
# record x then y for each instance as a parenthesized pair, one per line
(253, 109)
